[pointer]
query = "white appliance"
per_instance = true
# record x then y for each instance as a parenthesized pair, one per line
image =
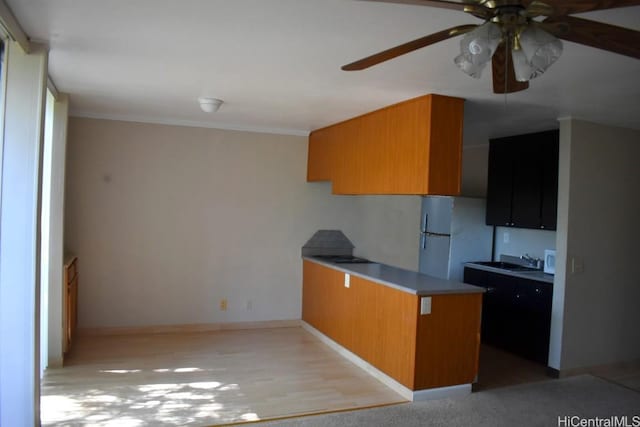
(550, 261)
(452, 232)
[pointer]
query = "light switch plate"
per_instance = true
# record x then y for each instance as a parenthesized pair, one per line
(577, 265)
(425, 305)
(347, 280)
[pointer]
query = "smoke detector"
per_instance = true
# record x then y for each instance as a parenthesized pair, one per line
(209, 105)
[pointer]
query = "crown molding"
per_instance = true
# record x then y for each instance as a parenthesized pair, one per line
(188, 123)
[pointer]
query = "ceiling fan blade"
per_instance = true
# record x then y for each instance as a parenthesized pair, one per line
(394, 52)
(569, 7)
(596, 34)
(504, 78)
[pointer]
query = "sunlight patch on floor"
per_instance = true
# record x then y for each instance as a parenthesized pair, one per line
(164, 403)
(203, 379)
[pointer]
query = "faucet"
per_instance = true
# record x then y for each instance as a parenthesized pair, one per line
(532, 261)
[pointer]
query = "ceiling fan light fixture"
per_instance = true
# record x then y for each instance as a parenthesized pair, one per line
(538, 51)
(477, 48)
(468, 67)
(521, 66)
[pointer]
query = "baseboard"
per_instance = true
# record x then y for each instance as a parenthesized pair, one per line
(412, 395)
(188, 328)
(553, 372)
(57, 362)
(594, 369)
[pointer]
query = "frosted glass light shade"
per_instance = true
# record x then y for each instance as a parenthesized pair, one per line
(521, 66)
(538, 50)
(477, 48)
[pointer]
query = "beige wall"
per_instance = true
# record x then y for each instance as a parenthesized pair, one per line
(387, 229)
(475, 166)
(596, 316)
(168, 220)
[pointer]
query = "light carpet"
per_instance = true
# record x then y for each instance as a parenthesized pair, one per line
(545, 403)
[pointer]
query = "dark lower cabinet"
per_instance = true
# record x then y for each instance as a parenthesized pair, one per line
(516, 313)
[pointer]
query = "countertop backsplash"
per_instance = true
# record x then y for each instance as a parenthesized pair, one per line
(328, 242)
(520, 241)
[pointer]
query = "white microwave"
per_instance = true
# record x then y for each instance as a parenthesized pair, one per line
(550, 261)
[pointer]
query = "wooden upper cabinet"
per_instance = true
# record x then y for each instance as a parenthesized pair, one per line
(413, 147)
(319, 157)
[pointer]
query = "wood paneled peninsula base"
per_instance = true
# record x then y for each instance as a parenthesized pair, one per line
(418, 334)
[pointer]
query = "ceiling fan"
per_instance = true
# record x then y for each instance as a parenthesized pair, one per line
(519, 37)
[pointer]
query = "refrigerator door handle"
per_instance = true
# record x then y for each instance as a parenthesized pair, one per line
(425, 221)
(430, 234)
(423, 240)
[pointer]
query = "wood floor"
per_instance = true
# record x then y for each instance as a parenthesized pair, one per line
(223, 377)
(203, 379)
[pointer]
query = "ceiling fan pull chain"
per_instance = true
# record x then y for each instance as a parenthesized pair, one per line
(506, 70)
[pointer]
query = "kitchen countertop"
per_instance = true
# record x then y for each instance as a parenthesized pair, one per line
(401, 279)
(538, 275)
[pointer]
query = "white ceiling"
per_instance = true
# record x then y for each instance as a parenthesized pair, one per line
(276, 64)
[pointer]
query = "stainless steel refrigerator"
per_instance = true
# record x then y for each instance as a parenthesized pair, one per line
(453, 231)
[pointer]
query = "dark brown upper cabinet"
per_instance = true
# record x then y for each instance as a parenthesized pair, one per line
(523, 181)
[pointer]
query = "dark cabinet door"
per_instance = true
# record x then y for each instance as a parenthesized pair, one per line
(522, 187)
(548, 210)
(491, 311)
(510, 329)
(476, 277)
(527, 183)
(536, 319)
(500, 182)
(516, 313)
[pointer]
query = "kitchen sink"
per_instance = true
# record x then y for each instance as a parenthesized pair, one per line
(506, 265)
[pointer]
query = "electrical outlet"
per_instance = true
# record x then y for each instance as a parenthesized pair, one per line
(347, 280)
(577, 265)
(223, 304)
(249, 305)
(505, 237)
(425, 305)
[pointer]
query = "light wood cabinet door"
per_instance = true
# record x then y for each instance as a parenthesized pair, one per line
(376, 322)
(448, 341)
(384, 327)
(70, 302)
(320, 157)
(414, 147)
(326, 302)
